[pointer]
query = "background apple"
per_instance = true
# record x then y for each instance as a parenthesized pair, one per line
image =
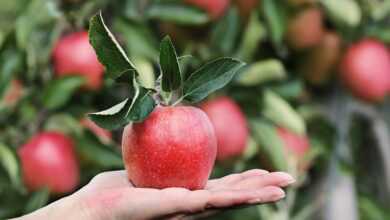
(230, 126)
(74, 55)
(13, 93)
(365, 69)
(48, 160)
(173, 147)
(296, 144)
(245, 7)
(103, 134)
(319, 62)
(215, 8)
(305, 29)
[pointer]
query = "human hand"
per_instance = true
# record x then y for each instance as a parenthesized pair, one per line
(110, 195)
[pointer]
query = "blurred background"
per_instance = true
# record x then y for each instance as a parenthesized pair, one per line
(311, 99)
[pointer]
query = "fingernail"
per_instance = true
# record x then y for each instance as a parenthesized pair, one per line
(279, 195)
(288, 179)
(288, 182)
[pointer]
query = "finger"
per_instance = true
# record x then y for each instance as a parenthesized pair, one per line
(233, 178)
(160, 204)
(108, 180)
(230, 198)
(279, 179)
(254, 172)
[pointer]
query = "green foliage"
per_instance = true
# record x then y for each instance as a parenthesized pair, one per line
(141, 75)
(281, 113)
(209, 78)
(275, 16)
(180, 14)
(262, 71)
(170, 70)
(108, 50)
(60, 91)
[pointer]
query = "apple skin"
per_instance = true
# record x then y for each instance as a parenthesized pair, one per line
(214, 8)
(48, 160)
(73, 55)
(230, 126)
(173, 147)
(104, 135)
(365, 70)
(305, 29)
(13, 93)
(319, 62)
(298, 145)
(245, 7)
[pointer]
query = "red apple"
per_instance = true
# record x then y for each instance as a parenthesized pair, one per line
(104, 135)
(298, 145)
(173, 147)
(74, 55)
(305, 29)
(319, 62)
(230, 126)
(13, 93)
(245, 7)
(365, 69)
(48, 160)
(215, 8)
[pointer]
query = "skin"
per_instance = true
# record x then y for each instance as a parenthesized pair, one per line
(365, 70)
(47, 154)
(174, 146)
(231, 139)
(83, 62)
(110, 196)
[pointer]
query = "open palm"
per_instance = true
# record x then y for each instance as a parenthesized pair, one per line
(111, 196)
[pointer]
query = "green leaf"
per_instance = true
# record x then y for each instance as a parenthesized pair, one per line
(281, 113)
(30, 20)
(209, 78)
(146, 77)
(10, 62)
(108, 50)
(59, 91)
(10, 162)
(225, 33)
(143, 104)
(139, 40)
(338, 13)
(37, 200)
(269, 142)
(170, 70)
(275, 16)
(112, 118)
(381, 32)
(289, 89)
(262, 71)
(254, 33)
(135, 110)
(104, 156)
(63, 123)
(179, 14)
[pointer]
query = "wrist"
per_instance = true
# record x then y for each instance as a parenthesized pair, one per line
(70, 207)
